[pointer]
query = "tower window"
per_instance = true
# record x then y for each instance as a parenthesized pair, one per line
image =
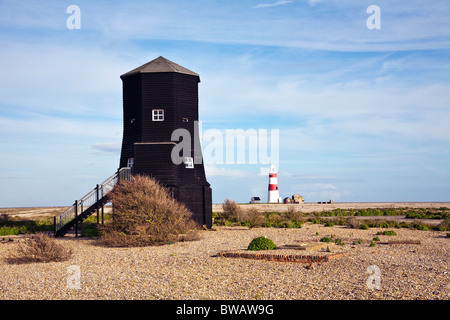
(189, 162)
(158, 115)
(130, 162)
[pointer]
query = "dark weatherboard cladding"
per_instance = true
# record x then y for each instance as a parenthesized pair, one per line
(158, 98)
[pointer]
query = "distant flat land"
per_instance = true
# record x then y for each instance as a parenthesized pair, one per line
(42, 212)
(315, 207)
(36, 212)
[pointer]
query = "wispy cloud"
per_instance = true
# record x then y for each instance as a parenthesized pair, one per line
(270, 5)
(314, 2)
(344, 97)
(108, 147)
(215, 171)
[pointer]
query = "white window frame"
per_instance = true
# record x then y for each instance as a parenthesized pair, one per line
(157, 114)
(189, 162)
(130, 162)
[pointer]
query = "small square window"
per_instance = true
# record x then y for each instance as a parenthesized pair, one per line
(130, 162)
(158, 115)
(189, 162)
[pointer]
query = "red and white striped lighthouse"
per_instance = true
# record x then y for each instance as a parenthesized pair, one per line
(274, 194)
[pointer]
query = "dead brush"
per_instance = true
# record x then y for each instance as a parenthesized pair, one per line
(252, 218)
(39, 248)
(144, 213)
(231, 211)
(293, 214)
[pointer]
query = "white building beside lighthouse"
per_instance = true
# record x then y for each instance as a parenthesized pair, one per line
(274, 194)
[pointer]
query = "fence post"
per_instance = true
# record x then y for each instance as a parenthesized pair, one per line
(97, 205)
(103, 205)
(76, 216)
(81, 217)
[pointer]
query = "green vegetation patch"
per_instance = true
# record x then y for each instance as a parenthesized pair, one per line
(13, 226)
(261, 243)
(326, 239)
(388, 233)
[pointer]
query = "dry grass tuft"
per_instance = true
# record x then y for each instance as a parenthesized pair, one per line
(252, 218)
(231, 211)
(39, 248)
(144, 213)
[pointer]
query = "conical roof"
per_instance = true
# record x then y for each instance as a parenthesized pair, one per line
(159, 65)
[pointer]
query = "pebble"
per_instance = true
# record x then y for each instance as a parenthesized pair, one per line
(192, 270)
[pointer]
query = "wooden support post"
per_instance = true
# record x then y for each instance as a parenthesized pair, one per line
(81, 217)
(103, 211)
(54, 225)
(76, 216)
(97, 204)
(103, 222)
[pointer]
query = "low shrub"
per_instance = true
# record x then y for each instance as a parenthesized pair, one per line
(252, 218)
(326, 239)
(14, 226)
(90, 227)
(430, 213)
(388, 233)
(146, 214)
(292, 214)
(261, 243)
(13, 230)
(354, 223)
(274, 219)
(421, 226)
(4, 217)
(231, 211)
(39, 248)
(444, 225)
(364, 226)
(293, 224)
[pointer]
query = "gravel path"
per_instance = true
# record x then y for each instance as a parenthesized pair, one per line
(191, 270)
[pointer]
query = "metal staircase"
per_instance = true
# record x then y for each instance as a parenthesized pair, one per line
(92, 202)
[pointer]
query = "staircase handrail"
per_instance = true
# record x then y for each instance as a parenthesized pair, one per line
(91, 198)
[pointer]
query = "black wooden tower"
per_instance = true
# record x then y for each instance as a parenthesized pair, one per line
(158, 98)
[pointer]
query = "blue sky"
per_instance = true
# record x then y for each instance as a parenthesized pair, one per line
(363, 115)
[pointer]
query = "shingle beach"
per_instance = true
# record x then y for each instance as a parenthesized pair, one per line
(195, 270)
